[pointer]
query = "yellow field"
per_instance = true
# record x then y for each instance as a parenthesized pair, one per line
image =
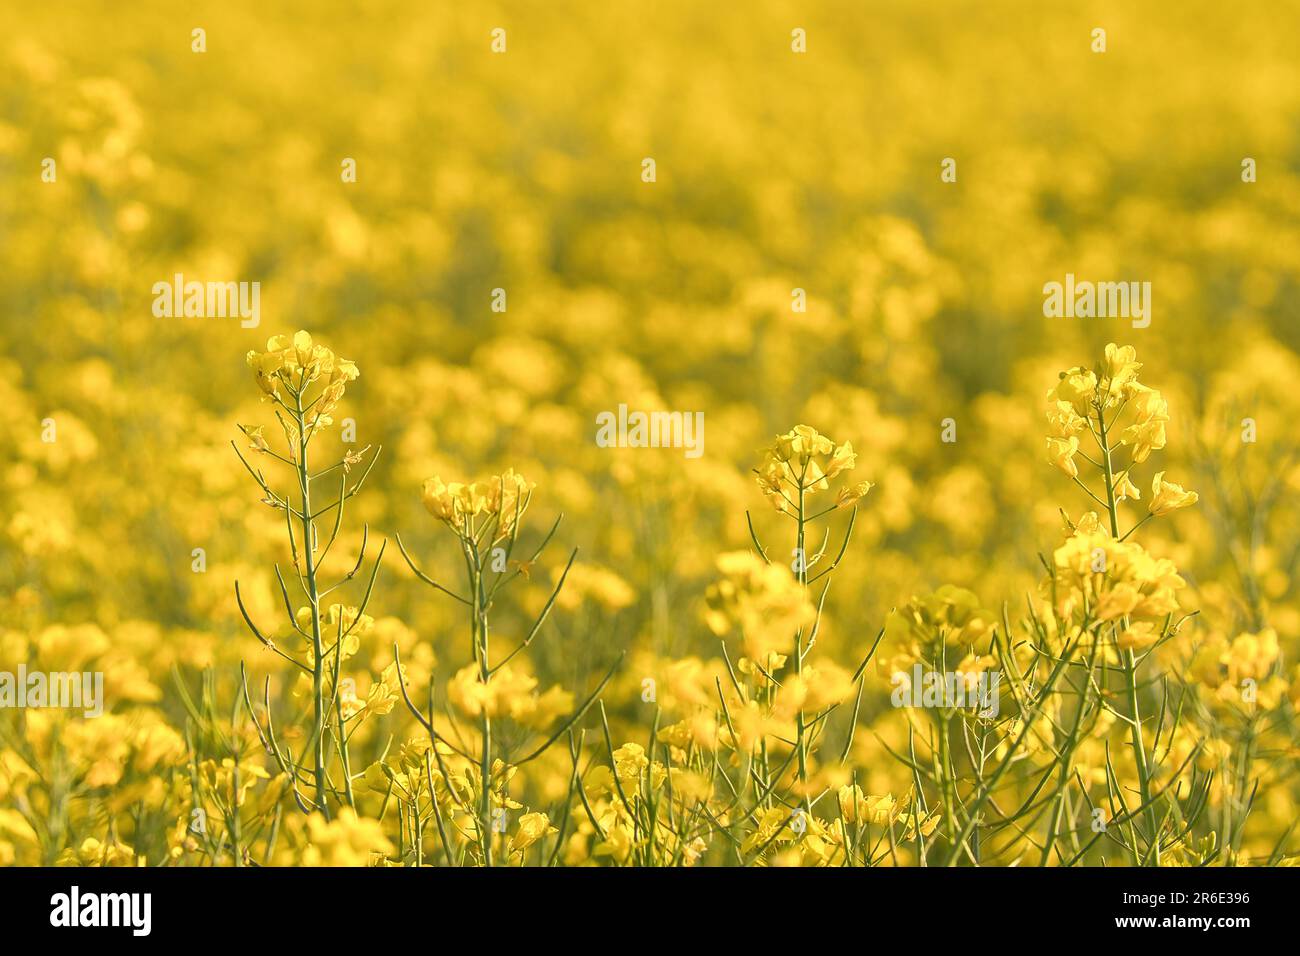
(934, 567)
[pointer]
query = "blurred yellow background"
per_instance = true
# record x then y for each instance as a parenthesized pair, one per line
(523, 171)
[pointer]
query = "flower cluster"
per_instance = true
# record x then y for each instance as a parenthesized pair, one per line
(947, 629)
(502, 499)
(347, 840)
(760, 602)
(507, 693)
(803, 461)
(1107, 580)
(293, 363)
(1241, 671)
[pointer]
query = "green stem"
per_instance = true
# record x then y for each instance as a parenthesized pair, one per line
(1067, 753)
(313, 598)
(800, 742)
(485, 758)
(946, 777)
(1130, 660)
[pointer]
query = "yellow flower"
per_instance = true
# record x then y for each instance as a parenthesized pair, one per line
(1167, 496)
(265, 365)
(509, 693)
(1224, 667)
(503, 496)
(617, 844)
(347, 840)
(823, 684)
(1064, 420)
(928, 627)
(532, 827)
(590, 582)
(1089, 523)
(801, 461)
(438, 498)
(468, 692)
(1112, 578)
(1147, 402)
(383, 694)
(842, 459)
(297, 362)
(1076, 388)
(1145, 437)
(1117, 601)
(256, 438)
(801, 443)
(1120, 367)
(93, 853)
(1151, 411)
(852, 494)
(377, 778)
(763, 602)
(1138, 637)
(1061, 452)
(856, 807)
(630, 762)
(770, 824)
(1124, 487)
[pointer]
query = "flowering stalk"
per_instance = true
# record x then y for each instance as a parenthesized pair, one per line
(313, 602)
(801, 575)
(486, 517)
(766, 604)
(1136, 596)
(1130, 659)
(292, 367)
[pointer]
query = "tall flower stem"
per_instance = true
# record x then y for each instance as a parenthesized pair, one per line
(1130, 659)
(312, 590)
(802, 573)
(480, 628)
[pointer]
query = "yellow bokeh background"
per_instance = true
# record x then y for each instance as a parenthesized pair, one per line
(522, 171)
